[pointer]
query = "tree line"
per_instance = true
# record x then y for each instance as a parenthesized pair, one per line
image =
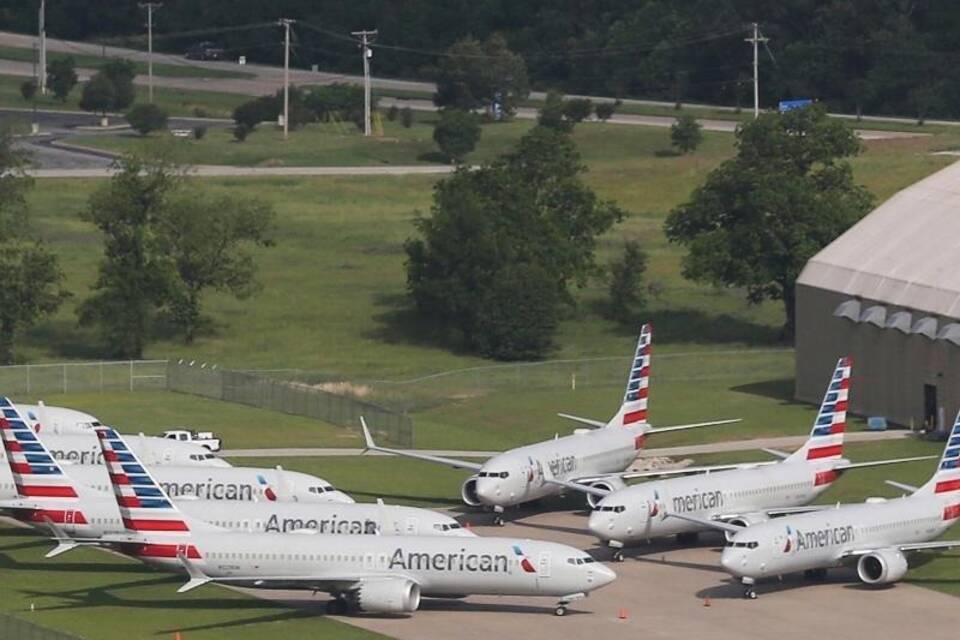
(882, 56)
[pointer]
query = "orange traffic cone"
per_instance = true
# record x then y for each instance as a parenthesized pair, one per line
(176, 636)
(706, 602)
(622, 614)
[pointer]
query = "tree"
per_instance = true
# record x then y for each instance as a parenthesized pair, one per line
(62, 76)
(552, 113)
(477, 74)
(240, 132)
(121, 73)
(627, 299)
(456, 133)
(28, 89)
(761, 215)
(686, 133)
(145, 118)
(526, 214)
(406, 117)
(135, 276)
(577, 110)
(252, 112)
(98, 95)
(205, 237)
(605, 110)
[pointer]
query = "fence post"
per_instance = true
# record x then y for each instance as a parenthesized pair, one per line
(131, 375)
(28, 379)
(101, 376)
(64, 378)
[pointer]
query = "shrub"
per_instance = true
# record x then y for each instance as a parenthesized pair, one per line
(145, 118)
(240, 132)
(406, 117)
(393, 113)
(456, 133)
(686, 134)
(28, 89)
(605, 110)
(199, 131)
(577, 109)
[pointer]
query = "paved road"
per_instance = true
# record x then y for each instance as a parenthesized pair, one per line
(221, 171)
(660, 595)
(785, 442)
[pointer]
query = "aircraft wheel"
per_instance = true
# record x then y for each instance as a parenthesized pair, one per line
(561, 610)
(618, 556)
(749, 593)
(498, 520)
(337, 607)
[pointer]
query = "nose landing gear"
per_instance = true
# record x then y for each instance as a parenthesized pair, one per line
(748, 591)
(498, 516)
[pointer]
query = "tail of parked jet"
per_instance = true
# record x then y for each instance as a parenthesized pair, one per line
(946, 480)
(634, 408)
(36, 475)
(826, 438)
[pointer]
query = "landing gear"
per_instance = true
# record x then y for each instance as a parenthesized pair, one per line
(750, 593)
(337, 606)
(498, 516)
(561, 610)
(815, 575)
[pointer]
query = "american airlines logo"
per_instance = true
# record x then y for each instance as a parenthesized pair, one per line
(826, 537)
(78, 457)
(210, 490)
(562, 465)
(460, 561)
(698, 501)
(276, 524)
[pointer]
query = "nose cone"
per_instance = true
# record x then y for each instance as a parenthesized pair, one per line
(598, 524)
(604, 576)
(729, 560)
(488, 492)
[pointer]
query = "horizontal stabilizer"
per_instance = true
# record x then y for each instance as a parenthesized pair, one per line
(909, 488)
(776, 453)
(450, 462)
(597, 424)
(879, 463)
(197, 577)
(695, 425)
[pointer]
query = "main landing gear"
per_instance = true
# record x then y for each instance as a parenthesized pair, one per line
(617, 555)
(561, 610)
(337, 606)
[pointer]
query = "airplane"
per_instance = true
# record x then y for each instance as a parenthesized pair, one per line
(376, 574)
(874, 535)
(742, 494)
(58, 419)
(244, 484)
(596, 457)
(79, 515)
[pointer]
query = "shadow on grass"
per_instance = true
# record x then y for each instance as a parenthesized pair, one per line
(280, 616)
(695, 326)
(432, 156)
(781, 390)
(667, 153)
(400, 323)
(57, 565)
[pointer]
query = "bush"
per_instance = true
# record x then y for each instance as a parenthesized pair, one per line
(240, 132)
(121, 73)
(62, 76)
(28, 89)
(199, 131)
(406, 117)
(253, 112)
(627, 299)
(552, 114)
(686, 134)
(577, 109)
(145, 118)
(99, 94)
(456, 133)
(605, 110)
(393, 113)
(200, 112)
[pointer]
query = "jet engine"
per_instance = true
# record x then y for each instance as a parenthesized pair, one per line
(607, 484)
(882, 567)
(390, 595)
(468, 492)
(745, 520)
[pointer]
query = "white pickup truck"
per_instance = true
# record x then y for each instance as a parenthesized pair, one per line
(203, 438)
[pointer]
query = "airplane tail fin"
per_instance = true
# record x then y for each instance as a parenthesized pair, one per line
(633, 410)
(945, 482)
(145, 507)
(826, 437)
(36, 474)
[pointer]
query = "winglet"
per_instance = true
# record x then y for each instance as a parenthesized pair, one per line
(902, 486)
(197, 577)
(370, 444)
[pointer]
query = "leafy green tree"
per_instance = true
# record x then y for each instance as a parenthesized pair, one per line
(605, 110)
(240, 132)
(98, 95)
(551, 114)
(206, 239)
(627, 299)
(761, 215)
(145, 118)
(406, 117)
(686, 133)
(121, 73)
(456, 133)
(474, 74)
(62, 76)
(337, 101)
(252, 112)
(28, 89)
(530, 207)
(577, 110)
(135, 275)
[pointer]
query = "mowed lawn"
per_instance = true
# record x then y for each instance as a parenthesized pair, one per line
(101, 596)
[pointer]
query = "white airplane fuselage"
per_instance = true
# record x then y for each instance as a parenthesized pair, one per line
(519, 475)
(639, 512)
(440, 566)
(819, 539)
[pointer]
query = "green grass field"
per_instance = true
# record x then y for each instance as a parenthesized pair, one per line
(159, 68)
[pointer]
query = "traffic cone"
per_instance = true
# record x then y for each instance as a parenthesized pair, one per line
(176, 636)
(622, 614)
(706, 602)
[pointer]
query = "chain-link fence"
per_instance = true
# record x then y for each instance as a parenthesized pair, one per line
(126, 375)
(286, 396)
(13, 628)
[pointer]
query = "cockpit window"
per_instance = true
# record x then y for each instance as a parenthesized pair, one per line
(321, 489)
(612, 508)
(493, 474)
(443, 526)
(577, 561)
(753, 544)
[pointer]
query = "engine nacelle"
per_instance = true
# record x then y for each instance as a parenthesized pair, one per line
(609, 484)
(882, 567)
(468, 492)
(746, 520)
(390, 595)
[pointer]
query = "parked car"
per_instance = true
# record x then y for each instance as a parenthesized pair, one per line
(203, 438)
(205, 51)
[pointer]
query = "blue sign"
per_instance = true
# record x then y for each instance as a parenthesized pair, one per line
(790, 105)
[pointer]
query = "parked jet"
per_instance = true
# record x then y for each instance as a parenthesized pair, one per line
(874, 535)
(379, 574)
(740, 494)
(77, 514)
(594, 457)
(58, 419)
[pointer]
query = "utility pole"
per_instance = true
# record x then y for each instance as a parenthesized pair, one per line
(150, 6)
(756, 39)
(42, 35)
(285, 23)
(366, 37)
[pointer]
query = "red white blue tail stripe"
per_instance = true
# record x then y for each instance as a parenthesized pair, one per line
(826, 437)
(144, 506)
(634, 408)
(946, 481)
(35, 473)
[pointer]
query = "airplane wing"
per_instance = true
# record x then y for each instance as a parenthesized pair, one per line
(880, 463)
(907, 546)
(902, 486)
(713, 524)
(680, 471)
(595, 424)
(450, 462)
(577, 486)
